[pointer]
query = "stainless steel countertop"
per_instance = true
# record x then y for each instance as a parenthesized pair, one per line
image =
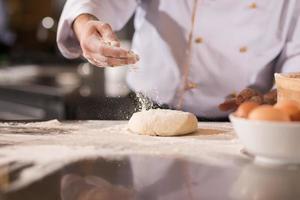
(93, 159)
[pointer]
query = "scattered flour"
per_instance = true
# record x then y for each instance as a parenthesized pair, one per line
(212, 143)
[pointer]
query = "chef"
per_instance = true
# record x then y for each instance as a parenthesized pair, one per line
(192, 53)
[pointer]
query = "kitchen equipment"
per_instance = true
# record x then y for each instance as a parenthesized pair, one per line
(270, 142)
(65, 92)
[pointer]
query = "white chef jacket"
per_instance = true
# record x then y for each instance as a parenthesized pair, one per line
(236, 44)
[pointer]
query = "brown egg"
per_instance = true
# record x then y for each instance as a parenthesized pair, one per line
(245, 108)
(290, 107)
(268, 113)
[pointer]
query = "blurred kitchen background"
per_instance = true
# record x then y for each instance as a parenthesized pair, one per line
(37, 83)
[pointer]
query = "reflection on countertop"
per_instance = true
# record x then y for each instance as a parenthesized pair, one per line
(158, 177)
(69, 92)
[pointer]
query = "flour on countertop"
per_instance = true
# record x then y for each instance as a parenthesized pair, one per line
(212, 143)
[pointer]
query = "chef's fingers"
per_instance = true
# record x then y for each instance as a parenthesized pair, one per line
(120, 62)
(98, 57)
(108, 34)
(96, 62)
(246, 95)
(231, 96)
(94, 44)
(232, 104)
(229, 104)
(257, 99)
(114, 52)
(102, 61)
(271, 97)
(116, 61)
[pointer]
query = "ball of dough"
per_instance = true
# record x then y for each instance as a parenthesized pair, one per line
(161, 122)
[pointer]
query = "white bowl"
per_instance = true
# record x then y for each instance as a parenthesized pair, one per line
(271, 142)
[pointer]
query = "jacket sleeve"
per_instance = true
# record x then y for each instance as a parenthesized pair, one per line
(289, 60)
(114, 12)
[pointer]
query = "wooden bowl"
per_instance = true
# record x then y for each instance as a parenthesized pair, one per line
(288, 86)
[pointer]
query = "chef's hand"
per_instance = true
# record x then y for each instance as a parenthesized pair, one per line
(99, 44)
(248, 94)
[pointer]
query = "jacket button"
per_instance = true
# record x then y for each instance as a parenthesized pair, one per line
(199, 40)
(253, 5)
(243, 49)
(191, 85)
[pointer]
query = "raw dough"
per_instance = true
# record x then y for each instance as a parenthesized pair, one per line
(162, 122)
